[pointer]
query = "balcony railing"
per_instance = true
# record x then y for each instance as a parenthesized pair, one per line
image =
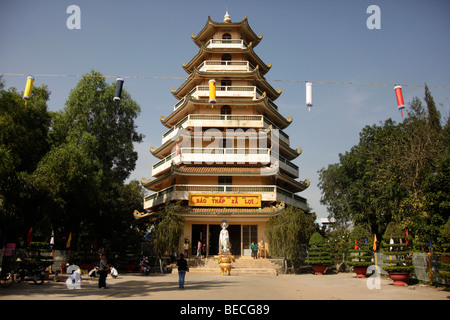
(211, 156)
(228, 91)
(216, 121)
(226, 43)
(181, 192)
(223, 121)
(228, 66)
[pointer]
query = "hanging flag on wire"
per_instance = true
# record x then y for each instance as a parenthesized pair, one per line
(309, 100)
(399, 95)
(118, 94)
(28, 88)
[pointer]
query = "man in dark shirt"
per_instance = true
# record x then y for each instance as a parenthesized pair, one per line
(182, 268)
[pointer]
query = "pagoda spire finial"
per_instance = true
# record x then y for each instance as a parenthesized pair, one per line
(227, 18)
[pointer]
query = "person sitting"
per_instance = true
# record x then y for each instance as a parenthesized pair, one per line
(113, 272)
(93, 272)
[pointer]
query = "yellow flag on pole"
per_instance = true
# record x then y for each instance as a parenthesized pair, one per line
(69, 240)
(375, 243)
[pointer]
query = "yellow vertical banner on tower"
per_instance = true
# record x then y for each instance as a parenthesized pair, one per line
(212, 91)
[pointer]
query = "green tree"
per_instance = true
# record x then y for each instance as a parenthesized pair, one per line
(92, 154)
(169, 226)
(364, 187)
(23, 142)
(397, 172)
(90, 109)
(288, 233)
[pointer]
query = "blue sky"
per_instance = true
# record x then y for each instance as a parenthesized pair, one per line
(319, 41)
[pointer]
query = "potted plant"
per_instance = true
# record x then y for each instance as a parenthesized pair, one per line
(360, 253)
(318, 254)
(397, 245)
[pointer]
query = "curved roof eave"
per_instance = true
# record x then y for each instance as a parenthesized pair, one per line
(196, 76)
(198, 58)
(243, 26)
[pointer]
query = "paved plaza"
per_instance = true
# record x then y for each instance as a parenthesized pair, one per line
(342, 286)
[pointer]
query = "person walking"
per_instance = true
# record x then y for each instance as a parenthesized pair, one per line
(186, 248)
(102, 271)
(182, 269)
(199, 250)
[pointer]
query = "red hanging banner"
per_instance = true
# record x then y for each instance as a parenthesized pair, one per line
(399, 95)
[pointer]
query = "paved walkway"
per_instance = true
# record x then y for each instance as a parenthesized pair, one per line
(199, 287)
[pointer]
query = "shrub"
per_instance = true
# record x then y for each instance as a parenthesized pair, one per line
(362, 255)
(318, 253)
(397, 245)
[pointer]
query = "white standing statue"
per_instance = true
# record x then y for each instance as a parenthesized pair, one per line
(224, 238)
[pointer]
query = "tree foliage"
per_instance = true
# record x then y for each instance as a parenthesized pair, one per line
(289, 231)
(169, 227)
(23, 142)
(397, 172)
(66, 170)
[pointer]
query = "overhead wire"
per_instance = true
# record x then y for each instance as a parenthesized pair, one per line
(184, 78)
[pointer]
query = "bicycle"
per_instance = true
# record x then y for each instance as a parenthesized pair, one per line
(6, 278)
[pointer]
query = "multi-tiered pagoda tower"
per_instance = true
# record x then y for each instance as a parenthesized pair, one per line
(228, 160)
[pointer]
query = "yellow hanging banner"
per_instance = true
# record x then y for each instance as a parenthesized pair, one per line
(212, 91)
(224, 200)
(28, 88)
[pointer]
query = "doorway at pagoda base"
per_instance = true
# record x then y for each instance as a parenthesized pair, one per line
(249, 234)
(234, 232)
(199, 232)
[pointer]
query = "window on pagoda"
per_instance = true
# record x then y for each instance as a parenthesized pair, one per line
(225, 180)
(225, 110)
(226, 57)
(226, 36)
(225, 82)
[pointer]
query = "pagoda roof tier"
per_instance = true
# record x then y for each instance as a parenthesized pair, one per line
(270, 194)
(204, 54)
(198, 77)
(232, 212)
(224, 156)
(168, 179)
(212, 27)
(169, 145)
(189, 104)
(198, 212)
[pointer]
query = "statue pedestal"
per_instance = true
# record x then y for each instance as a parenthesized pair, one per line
(225, 260)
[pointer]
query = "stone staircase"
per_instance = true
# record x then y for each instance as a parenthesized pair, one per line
(241, 266)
